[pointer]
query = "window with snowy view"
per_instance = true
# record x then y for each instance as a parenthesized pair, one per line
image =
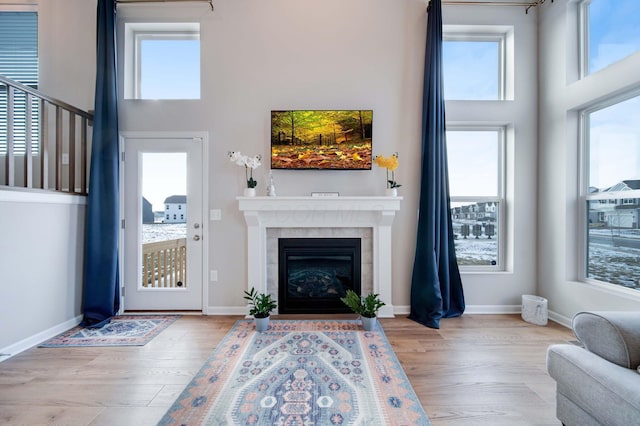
(612, 193)
(475, 184)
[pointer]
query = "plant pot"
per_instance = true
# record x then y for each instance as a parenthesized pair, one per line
(368, 323)
(249, 192)
(262, 324)
(391, 192)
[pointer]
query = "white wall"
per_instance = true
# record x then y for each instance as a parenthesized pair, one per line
(41, 262)
(67, 50)
(281, 54)
(277, 54)
(562, 95)
(41, 248)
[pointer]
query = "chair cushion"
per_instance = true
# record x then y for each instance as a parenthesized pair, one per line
(614, 336)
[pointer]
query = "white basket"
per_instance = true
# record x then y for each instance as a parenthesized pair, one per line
(534, 309)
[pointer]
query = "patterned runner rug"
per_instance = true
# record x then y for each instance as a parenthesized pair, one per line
(300, 372)
(123, 330)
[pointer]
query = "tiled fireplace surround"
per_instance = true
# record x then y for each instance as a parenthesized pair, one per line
(367, 218)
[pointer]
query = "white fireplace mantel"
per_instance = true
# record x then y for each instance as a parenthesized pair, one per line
(377, 213)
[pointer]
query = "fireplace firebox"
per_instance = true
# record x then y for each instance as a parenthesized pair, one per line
(314, 273)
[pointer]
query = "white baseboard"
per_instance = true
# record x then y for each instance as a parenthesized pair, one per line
(23, 345)
(226, 310)
(493, 309)
(397, 309)
(470, 309)
(560, 319)
(401, 309)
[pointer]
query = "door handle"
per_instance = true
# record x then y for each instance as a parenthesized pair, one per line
(196, 238)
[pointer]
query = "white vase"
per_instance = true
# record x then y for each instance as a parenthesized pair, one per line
(391, 192)
(262, 324)
(249, 192)
(368, 323)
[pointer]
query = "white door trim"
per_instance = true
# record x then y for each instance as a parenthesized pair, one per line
(204, 136)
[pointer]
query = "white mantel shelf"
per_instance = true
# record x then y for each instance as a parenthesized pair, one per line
(377, 212)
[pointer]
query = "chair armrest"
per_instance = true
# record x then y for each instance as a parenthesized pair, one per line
(607, 392)
(615, 336)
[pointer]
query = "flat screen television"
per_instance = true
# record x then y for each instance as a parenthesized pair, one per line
(321, 139)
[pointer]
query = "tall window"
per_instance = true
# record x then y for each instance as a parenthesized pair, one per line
(476, 171)
(162, 61)
(611, 189)
(19, 62)
(609, 32)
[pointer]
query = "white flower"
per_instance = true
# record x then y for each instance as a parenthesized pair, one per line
(249, 164)
(253, 162)
(237, 157)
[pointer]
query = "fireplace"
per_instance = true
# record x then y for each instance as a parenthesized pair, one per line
(314, 273)
(309, 217)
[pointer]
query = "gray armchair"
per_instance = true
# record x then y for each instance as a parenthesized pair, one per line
(600, 383)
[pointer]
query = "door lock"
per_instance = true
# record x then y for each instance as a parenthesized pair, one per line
(196, 238)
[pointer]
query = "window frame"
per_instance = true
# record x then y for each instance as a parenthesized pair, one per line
(504, 36)
(500, 198)
(583, 38)
(135, 34)
(585, 196)
(584, 44)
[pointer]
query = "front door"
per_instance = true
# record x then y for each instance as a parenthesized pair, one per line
(163, 227)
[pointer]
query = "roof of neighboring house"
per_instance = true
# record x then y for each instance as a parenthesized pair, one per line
(625, 185)
(176, 199)
(633, 184)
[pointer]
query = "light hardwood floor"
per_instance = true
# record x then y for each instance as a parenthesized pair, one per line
(477, 369)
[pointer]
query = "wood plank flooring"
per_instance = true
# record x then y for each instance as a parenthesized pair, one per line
(475, 370)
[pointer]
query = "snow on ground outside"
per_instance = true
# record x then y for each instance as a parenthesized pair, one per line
(617, 265)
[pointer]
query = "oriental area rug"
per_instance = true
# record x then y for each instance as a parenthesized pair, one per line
(300, 372)
(123, 330)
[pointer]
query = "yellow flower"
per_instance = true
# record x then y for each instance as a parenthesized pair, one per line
(357, 157)
(390, 163)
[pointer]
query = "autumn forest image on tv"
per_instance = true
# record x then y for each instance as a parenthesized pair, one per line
(302, 139)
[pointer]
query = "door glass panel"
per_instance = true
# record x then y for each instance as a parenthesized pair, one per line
(164, 220)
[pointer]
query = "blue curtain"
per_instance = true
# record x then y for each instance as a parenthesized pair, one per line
(436, 287)
(101, 297)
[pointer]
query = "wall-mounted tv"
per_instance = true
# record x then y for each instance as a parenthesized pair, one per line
(321, 139)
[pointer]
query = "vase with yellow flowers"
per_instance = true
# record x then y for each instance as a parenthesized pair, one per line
(391, 164)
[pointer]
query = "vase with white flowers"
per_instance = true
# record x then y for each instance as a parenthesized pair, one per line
(391, 164)
(249, 163)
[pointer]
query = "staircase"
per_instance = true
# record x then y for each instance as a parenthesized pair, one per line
(44, 142)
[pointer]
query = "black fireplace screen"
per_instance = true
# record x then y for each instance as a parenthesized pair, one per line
(314, 273)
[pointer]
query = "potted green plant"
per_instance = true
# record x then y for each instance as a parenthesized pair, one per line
(260, 307)
(365, 306)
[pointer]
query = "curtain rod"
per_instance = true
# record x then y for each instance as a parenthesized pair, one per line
(527, 4)
(166, 1)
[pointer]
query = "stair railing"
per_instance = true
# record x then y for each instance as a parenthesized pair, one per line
(56, 141)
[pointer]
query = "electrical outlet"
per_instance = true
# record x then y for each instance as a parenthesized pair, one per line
(213, 275)
(65, 159)
(215, 214)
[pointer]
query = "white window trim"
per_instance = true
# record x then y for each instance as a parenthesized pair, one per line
(502, 34)
(500, 198)
(583, 38)
(135, 33)
(585, 196)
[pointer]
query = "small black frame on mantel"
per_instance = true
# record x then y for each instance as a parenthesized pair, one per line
(321, 139)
